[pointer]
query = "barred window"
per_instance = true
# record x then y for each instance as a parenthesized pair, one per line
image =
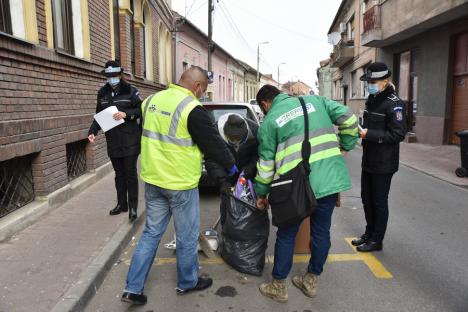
(16, 184)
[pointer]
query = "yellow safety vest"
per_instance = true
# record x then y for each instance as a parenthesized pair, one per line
(169, 157)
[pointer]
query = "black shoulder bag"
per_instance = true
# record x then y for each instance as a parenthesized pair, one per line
(291, 196)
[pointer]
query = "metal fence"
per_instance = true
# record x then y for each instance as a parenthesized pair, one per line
(76, 159)
(16, 184)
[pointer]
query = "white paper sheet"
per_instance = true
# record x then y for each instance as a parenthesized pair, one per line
(105, 120)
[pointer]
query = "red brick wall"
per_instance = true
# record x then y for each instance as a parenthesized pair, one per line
(47, 98)
(139, 51)
(99, 28)
(125, 43)
(41, 25)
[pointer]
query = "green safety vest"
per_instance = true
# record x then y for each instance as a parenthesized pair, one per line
(169, 157)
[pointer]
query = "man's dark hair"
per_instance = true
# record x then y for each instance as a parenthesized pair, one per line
(267, 93)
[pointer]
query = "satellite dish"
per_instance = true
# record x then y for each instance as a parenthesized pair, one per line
(334, 38)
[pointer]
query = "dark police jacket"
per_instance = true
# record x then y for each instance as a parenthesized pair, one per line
(385, 119)
(123, 140)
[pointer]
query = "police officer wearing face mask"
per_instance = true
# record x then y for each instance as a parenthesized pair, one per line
(383, 129)
(123, 141)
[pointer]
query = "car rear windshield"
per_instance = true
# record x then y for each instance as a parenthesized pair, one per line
(218, 111)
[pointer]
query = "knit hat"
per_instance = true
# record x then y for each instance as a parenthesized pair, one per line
(235, 128)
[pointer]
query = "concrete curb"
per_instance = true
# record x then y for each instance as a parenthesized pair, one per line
(27, 215)
(465, 187)
(78, 296)
(428, 173)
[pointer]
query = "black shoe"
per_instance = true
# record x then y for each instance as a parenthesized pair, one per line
(134, 298)
(132, 214)
(118, 209)
(359, 241)
(370, 246)
(203, 283)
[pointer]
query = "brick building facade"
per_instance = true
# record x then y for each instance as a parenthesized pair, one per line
(49, 77)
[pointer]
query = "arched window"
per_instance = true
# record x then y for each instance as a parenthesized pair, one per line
(161, 53)
(168, 57)
(148, 41)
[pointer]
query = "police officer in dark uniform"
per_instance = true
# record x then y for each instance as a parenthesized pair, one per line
(123, 141)
(383, 129)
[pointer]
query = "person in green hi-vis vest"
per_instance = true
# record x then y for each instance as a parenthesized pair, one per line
(280, 140)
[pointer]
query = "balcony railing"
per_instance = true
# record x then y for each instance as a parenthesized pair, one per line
(343, 52)
(372, 26)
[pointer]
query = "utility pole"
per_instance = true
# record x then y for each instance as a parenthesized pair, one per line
(210, 32)
(279, 73)
(210, 36)
(258, 61)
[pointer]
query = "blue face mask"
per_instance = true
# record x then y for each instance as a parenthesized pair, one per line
(113, 81)
(373, 88)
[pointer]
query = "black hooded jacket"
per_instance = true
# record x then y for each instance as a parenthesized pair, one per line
(123, 140)
(246, 156)
(385, 119)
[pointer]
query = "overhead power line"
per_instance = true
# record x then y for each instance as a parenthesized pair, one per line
(266, 20)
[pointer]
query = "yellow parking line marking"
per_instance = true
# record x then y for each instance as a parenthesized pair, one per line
(372, 262)
(374, 265)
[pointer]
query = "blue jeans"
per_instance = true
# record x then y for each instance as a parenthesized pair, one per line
(161, 204)
(320, 223)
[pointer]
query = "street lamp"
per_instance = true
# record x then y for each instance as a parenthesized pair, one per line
(258, 60)
(279, 73)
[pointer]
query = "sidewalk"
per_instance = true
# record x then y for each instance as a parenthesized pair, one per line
(437, 161)
(42, 263)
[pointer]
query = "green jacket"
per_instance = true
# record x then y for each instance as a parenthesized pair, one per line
(281, 134)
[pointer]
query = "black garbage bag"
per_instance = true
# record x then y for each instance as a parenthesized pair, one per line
(244, 236)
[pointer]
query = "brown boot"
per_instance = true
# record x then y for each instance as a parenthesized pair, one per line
(307, 283)
(275, 290)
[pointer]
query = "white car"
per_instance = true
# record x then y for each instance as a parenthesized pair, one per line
(257, 109)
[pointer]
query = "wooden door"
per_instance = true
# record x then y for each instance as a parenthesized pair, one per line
(406, 86)
(459, 107)
(459, 111)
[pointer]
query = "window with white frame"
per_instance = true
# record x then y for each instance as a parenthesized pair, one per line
(148, 41)
(337, 90)
(364, 93)
(69, 35)
(354, 85)
(350, 28)
(8, 25)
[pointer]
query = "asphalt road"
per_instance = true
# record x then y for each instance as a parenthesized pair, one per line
(423, 266)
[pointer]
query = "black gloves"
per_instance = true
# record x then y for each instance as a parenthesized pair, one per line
(249, 172)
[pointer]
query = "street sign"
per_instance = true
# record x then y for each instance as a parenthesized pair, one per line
(210, 75)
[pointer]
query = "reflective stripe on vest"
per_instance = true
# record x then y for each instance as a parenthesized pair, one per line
(171, 137)
(178, 112)
(167, 138)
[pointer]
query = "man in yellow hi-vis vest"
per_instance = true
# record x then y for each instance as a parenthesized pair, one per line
(176, 131)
